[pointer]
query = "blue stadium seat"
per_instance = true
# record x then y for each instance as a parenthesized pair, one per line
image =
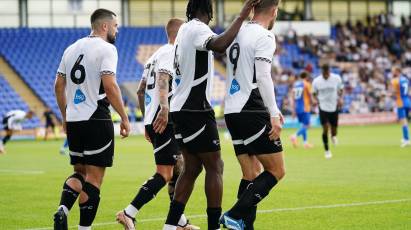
(11, 101)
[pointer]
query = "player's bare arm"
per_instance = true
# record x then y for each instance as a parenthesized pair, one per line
(340, 102)
(113, 94)
(221, 42)
(140, 94)
(59, 89)
(161, 121)
(315, 98)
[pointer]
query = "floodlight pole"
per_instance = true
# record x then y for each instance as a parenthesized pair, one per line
(23, 13)
(220, 13)
(308, 13)
(125, 12)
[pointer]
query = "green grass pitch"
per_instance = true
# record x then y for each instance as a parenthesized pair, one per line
(366, 185)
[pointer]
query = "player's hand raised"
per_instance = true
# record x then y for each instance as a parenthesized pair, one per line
(248, 6)
(276, 127)
(124, 128)
(161, 121)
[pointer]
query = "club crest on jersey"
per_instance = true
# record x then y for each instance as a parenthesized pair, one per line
(147, 99)
(178, 80)
(235, 87)
(79, 97)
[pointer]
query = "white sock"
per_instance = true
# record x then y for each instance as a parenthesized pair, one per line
(84, 228)
(65, 209)
(169, 227)
(183, 220)
(131, 211)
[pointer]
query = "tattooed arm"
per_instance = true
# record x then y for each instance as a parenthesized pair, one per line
(161, 121)
(141, 91)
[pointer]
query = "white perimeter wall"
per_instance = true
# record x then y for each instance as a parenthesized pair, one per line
(55, 13)
(303, 28)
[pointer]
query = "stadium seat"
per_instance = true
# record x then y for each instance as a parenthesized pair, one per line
(11, 101)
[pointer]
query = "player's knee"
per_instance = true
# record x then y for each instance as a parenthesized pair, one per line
(75, 181)
(251, 173)
(192, 170)
(279, 173)
(167, 175)
(216, 167)
(166, 171)
(80, 169)
(92, 193)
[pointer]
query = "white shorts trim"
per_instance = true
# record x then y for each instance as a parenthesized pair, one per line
(97, 151)
(196, 134)
(76, 154)
(238, 142)
(162, 146)
(254, 137)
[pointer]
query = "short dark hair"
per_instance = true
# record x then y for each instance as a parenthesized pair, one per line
(325, 68)
(304, 75)
(101, 14)
(265, 4)
(203, 6)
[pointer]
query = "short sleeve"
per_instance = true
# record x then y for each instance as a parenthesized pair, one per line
(109, 61)
(61, 71)
(314, 87)
(202, 34)
(146, 70)
(165, 63)
(265, 48)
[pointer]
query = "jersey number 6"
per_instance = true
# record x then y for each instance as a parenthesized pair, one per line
(78, 67)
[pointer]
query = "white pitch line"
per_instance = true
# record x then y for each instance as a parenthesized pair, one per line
(262, 211)
(17, 171)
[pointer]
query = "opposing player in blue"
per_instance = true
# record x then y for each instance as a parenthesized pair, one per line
(301, 101)
(400, 86)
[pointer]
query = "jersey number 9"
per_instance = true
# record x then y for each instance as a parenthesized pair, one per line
(234, 56)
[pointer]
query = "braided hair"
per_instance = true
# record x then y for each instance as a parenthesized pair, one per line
(203, 6)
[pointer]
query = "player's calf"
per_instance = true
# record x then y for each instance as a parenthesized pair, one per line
(260, 187)
(147, 192)
(88, 209)
(71, 190)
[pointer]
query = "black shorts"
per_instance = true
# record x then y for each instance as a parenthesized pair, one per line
(329, 117)
(49, 124)
(5, 123)
(196, 131)
(164, 145)
(91, 142)
(249, 132)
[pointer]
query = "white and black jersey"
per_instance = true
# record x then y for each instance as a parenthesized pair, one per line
(194, 68)
(13, 120)
(83, 64)
(327, 91)
(253, 42)
(248, 110)
(160, 62)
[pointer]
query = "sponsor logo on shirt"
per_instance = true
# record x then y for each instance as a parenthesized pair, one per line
(235, 87)
(79, 97)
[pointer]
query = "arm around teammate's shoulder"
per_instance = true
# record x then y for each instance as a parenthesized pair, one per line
(221, 42)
